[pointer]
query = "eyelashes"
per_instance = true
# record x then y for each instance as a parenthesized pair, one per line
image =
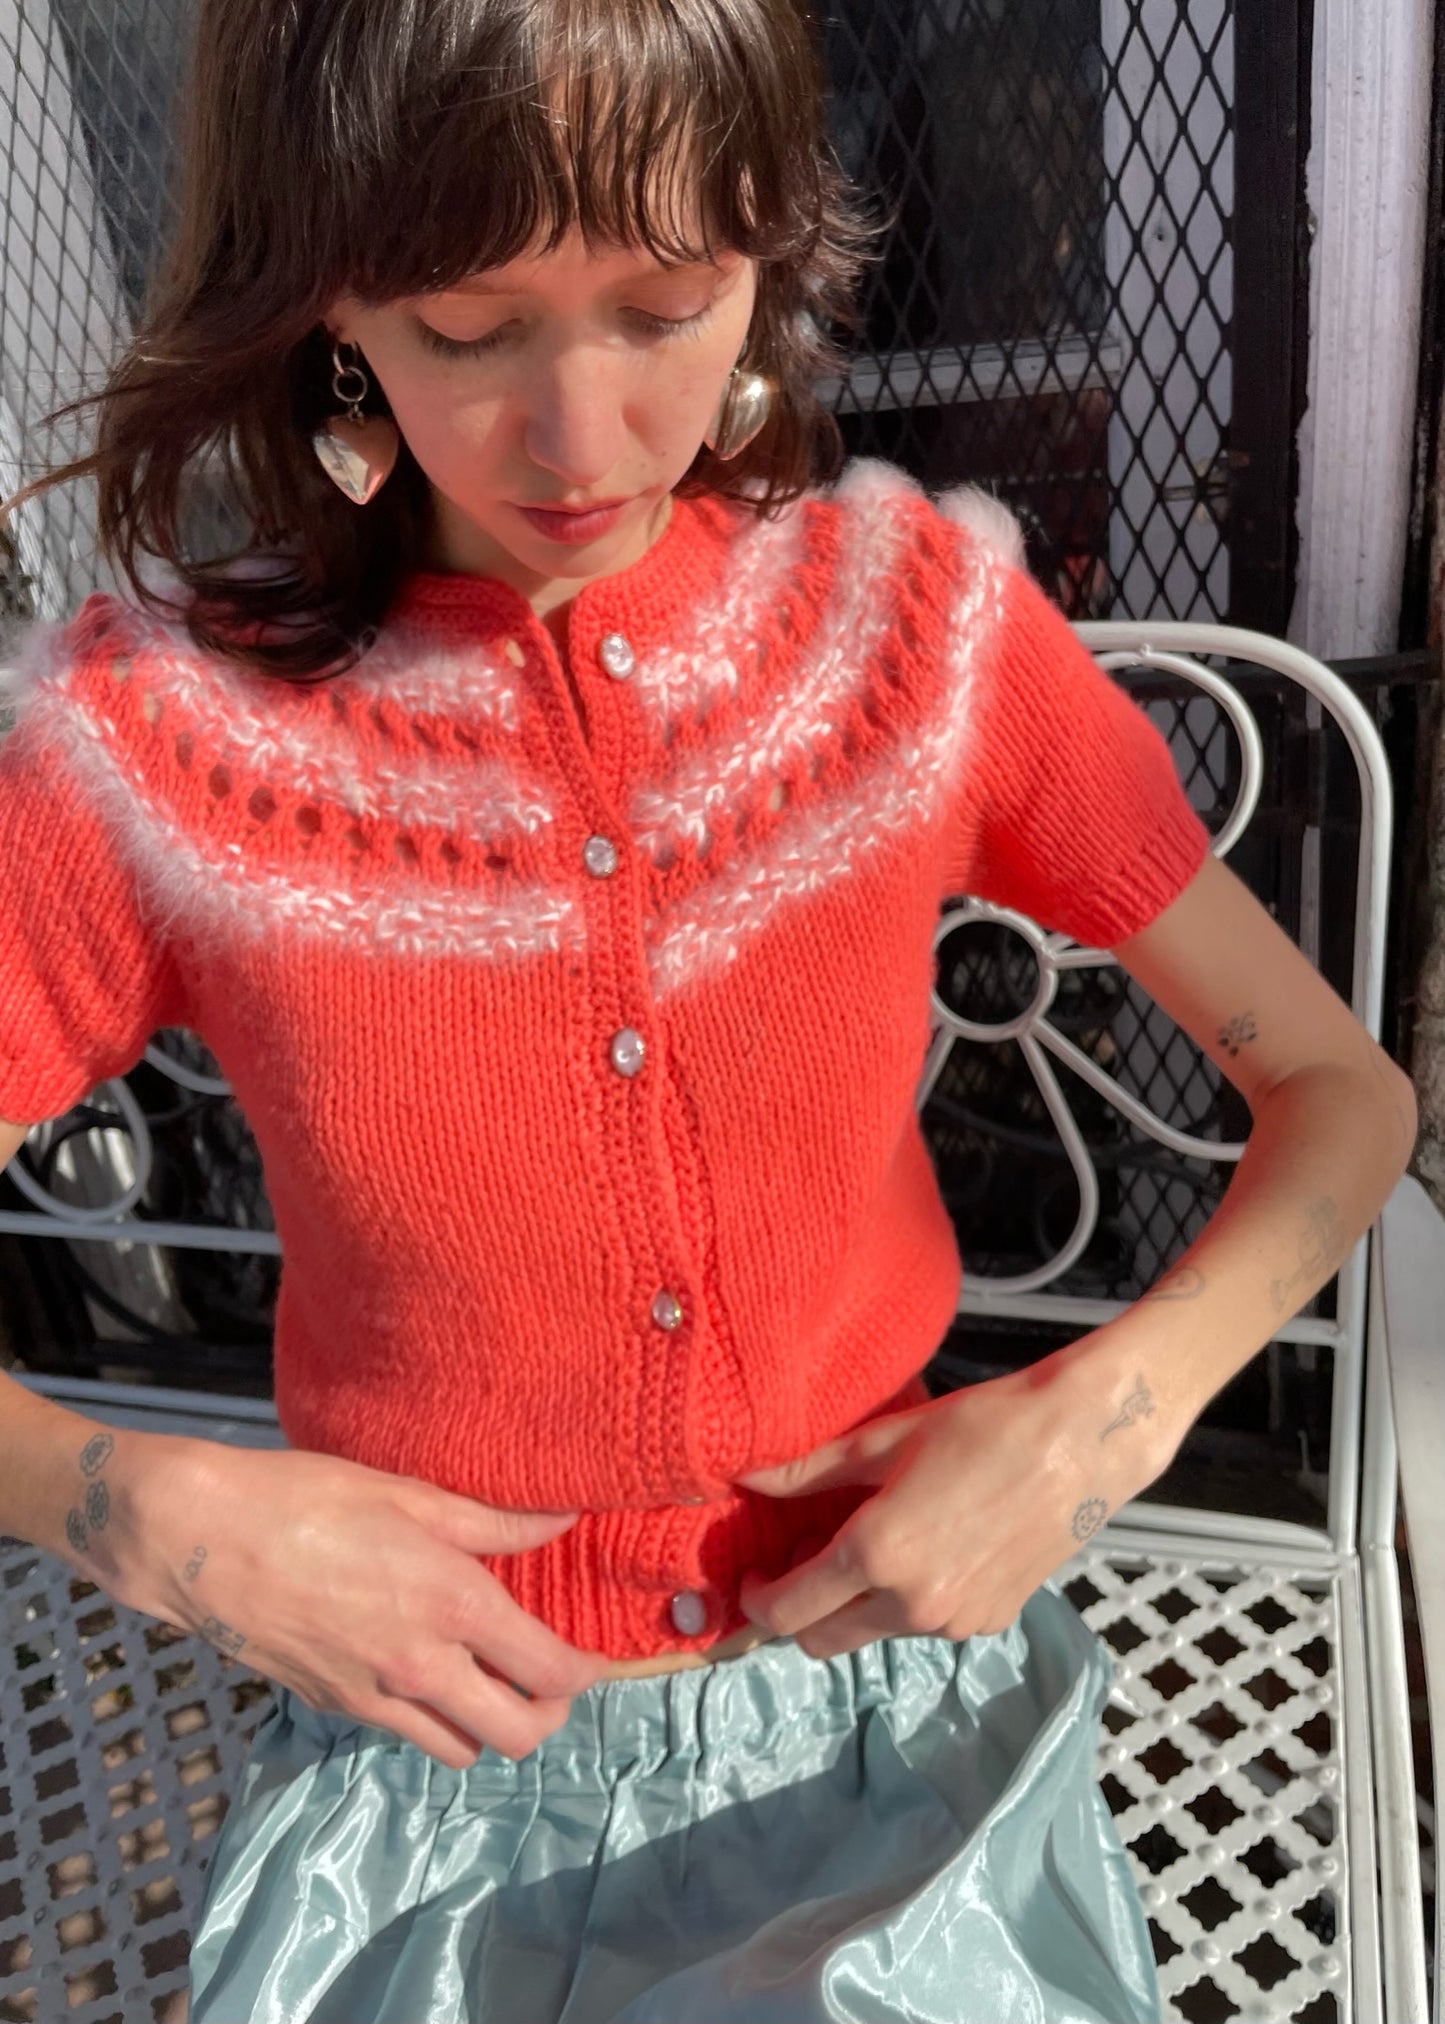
(496, 340)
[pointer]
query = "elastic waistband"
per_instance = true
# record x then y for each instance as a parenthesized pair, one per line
(741, 1706)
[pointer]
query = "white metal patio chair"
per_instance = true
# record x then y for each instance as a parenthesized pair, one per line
(1257, 1748)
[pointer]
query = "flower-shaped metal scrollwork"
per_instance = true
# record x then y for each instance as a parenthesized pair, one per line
(102, 1216)
(1039, 1038)
(184, 1076)
(105, 1184)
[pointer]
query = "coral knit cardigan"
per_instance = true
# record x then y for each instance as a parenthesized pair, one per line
(581, 1050)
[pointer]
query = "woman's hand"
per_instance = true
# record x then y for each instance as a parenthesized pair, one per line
(980, 1496)
(357, 1589)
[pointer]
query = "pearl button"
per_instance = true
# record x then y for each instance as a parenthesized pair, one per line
(616, 655)
(694, 1500)
(689, 1613)
(667, 1311)
(600, 856)
(627, 1050)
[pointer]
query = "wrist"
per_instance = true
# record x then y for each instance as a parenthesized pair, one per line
(1128, 1425)
(138, 1486)
(174, 1493)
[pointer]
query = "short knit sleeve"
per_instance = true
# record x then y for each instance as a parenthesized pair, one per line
(1074, 813)
(85, 976)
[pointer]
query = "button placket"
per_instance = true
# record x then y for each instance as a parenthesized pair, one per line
(602, 858)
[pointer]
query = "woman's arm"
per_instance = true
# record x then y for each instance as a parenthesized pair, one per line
(987, 1491)
(1333, 1125)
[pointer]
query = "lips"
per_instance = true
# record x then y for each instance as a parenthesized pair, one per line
(562, 524)
(591, 506)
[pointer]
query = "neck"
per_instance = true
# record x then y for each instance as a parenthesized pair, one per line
(456, 544)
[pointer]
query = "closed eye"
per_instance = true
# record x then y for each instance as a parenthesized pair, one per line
(495, 340)
(670, 326)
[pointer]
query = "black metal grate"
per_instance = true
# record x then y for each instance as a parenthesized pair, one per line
(1051, 315)
(85, 95)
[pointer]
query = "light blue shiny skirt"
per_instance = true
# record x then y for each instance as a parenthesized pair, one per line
(909, 1832)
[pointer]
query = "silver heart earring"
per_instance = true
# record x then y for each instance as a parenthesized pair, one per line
(743, 409)
(356, 451)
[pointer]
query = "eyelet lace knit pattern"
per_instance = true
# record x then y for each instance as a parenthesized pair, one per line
(382, 902)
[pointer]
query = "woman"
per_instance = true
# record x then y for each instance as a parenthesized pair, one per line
(648, 1645)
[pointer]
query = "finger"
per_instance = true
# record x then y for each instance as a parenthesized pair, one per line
(493, 1627)
(861, 1622)
(866, 1456)
(499, 1716)
(411, 1720)
(488, 1528)
(478, 1707)
(439, 1739)
(804, 1596)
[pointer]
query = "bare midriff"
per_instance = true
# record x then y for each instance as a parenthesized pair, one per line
(672, 1662)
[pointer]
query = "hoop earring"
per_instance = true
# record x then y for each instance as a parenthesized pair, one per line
(742, 410)
(356, 451)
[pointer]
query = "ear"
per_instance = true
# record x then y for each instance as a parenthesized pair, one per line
(335, 324)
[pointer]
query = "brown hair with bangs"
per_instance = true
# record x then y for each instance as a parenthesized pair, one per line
(387, 148)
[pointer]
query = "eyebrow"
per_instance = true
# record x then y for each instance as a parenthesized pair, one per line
(479, 285)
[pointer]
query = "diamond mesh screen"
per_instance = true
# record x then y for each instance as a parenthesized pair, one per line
(1051, 315)
(85, 96)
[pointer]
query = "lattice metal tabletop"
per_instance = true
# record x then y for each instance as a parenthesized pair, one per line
(1224, 1769)
(121, 1740)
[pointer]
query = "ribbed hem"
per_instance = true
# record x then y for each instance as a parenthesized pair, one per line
(1169, 856)
(607, 1584)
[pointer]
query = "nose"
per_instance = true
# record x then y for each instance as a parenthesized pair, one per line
(575, 425)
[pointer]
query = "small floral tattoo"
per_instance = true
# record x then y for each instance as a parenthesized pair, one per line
(95, 1452)
(1238, 1032)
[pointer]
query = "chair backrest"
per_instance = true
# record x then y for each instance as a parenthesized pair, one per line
(1176, 651)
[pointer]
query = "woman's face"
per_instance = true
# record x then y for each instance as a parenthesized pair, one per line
(564, 380)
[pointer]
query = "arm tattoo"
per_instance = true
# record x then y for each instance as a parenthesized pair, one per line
(1089, 1516)
(95, 1453)
(1186, 1283)
(84, 1527)
(85, 1522)
(1322, 1244)
(221, 1636)
(1138, 1406)
(1238, 1032)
